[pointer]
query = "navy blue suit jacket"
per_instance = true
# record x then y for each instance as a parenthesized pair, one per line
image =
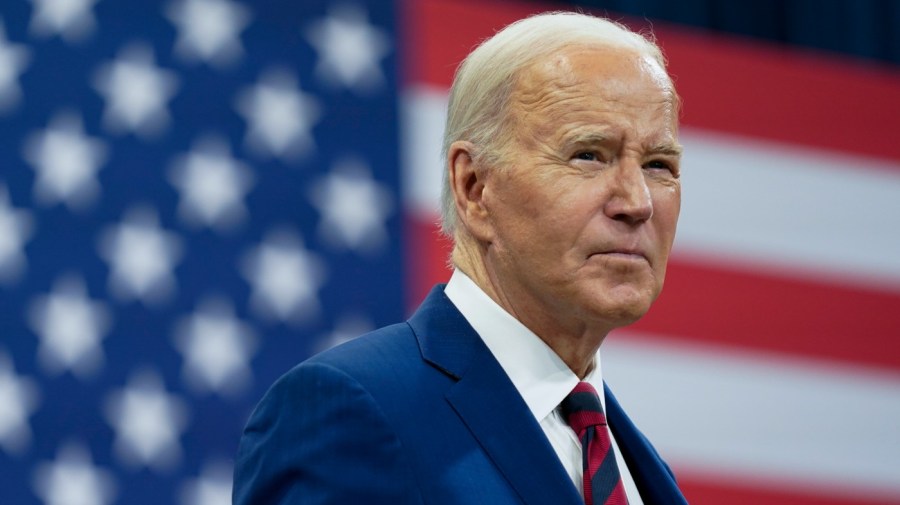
(416, 413)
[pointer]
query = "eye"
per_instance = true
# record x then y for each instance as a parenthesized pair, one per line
(590, 156)
(660, 165)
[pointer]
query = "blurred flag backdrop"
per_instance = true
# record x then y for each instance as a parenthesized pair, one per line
(197, 194)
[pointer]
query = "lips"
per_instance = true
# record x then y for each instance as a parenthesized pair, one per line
(623, 253)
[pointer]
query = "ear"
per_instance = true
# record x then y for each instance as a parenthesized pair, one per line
(467, 181)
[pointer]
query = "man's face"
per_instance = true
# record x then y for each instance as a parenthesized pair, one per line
(583, 210)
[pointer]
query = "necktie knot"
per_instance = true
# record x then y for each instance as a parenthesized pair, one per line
(582, 408)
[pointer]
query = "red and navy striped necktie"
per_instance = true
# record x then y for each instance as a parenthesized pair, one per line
(584, 413)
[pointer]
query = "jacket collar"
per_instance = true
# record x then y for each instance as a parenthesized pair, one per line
(495, 413)
(489, 404)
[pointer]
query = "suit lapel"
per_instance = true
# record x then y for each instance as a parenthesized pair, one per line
(499, 419)
(497, 415)
(651, 475)
(490, 406)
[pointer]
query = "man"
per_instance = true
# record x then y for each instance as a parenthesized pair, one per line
(561, 194)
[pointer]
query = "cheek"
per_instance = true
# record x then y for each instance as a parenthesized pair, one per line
(530, 201)
(666, 208)
(515, 212)
(676, 206)
(667, 200)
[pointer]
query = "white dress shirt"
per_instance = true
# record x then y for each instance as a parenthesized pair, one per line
(538, 373)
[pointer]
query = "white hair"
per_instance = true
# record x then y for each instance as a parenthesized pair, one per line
(484, 81)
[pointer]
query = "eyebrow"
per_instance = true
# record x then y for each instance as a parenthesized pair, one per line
(666, 149)
(589, 138)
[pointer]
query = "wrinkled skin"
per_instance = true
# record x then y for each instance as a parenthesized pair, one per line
(572, 233)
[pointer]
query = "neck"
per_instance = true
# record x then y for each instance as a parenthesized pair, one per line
(574, 342)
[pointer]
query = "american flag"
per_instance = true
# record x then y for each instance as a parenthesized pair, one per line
(195, 195)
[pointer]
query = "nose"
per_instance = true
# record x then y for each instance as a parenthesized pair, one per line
(629, 198)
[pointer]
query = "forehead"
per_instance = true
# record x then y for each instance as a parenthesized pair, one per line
(586, 79)
(585, 64)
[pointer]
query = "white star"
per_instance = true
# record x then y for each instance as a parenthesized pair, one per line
(285, 278)
(350, 49)
(213, 487)
(71, 19)
(73, 479)
(209, 30)
(70, 326)
(136, 92)
(216, 348)
(353, 207)
(66, 162)
(348, 327)
(148, 422)
(280, 117)
(15, 229)
(212, 185)
(13, 60)
(141, 256)
(19, 399)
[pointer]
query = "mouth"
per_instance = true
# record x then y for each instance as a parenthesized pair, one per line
(623, 254)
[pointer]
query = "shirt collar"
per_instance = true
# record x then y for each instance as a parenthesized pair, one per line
(538, 373)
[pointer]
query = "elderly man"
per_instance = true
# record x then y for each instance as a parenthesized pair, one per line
(562, 195)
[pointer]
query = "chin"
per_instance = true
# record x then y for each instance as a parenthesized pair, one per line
(623, 308)
(624, 316)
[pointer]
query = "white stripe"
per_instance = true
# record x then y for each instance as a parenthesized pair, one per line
(423, 112)
(798, 210)
(758, 416)
(791, 208)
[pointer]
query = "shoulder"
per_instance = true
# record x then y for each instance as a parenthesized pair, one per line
(368, 356)
(367, 372)
(320, 421)
(354, 364)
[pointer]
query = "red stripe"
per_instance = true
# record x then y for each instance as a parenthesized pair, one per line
(445, 31)
(775, 93)
(700, 490)
(753, 309)
(729, 307)
(728, 85)
(427, 254)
